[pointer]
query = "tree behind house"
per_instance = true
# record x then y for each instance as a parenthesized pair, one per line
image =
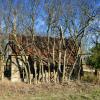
(94, 59)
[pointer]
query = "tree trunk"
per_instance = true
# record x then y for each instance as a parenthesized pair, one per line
(48, 59)
(77, 58)
(42, 71)
(54, 60)
(64, 66)
(35, 68)
(95, 73)
(59, 63)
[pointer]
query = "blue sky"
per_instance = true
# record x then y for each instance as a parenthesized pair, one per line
(40, 21)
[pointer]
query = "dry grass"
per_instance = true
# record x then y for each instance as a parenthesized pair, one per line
(66, 91)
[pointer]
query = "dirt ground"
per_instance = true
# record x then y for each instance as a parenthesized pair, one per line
(67, 91)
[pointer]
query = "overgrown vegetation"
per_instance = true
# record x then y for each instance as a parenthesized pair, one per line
(67, 91)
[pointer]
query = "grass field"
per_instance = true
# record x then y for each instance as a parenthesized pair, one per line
(66, 91)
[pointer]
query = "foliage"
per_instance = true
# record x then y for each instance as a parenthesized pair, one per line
(94, 59)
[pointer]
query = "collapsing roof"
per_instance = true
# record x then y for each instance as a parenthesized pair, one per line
(38, 47)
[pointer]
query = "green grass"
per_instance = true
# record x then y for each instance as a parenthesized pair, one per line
(94, 95)
(70, 91)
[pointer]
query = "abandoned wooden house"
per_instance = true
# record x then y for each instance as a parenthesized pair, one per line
(27, 61)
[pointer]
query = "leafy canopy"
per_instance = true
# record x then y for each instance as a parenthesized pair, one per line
(94, 59)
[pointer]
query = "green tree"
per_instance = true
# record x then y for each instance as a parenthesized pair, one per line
(94, 59)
